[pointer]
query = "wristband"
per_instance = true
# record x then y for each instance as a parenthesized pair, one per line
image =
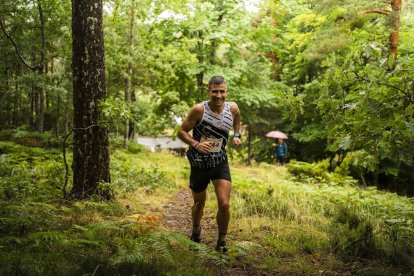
(238, 135)
(195, 145)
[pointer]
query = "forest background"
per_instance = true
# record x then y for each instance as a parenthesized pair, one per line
(325, 72)
(335, 75)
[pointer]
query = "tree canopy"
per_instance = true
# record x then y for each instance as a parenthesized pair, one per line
(335, 75)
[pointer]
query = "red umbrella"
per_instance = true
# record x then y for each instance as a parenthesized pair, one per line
(276, 134)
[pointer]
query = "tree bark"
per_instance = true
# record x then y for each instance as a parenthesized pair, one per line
(90, 140)
(200, 58)
(128, 79)
(214, 42)
(41, 71)
(131, 132)
(393, 38)
(32, 95)
(249, 144)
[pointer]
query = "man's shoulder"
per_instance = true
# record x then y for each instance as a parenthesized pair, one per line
(197, 110)
(198, 107)
(233, 107)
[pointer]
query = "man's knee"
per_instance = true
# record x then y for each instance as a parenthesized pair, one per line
(200, 204)
(224, 206)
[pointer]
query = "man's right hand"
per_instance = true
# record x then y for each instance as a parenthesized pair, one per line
(204, 147)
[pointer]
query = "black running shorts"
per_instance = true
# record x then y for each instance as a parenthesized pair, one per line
(200, 178)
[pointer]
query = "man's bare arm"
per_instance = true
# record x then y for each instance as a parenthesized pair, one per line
(193, 118)
(236, 123)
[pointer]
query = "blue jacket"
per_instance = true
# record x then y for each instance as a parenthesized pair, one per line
(281, 150)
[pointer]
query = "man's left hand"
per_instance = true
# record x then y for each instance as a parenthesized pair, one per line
(236, 142)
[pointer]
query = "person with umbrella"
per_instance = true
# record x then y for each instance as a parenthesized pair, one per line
(281, 151)
(281, 146)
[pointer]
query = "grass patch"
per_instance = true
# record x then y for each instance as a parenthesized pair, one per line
(280, 223)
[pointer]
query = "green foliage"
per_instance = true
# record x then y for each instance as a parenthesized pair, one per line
(314, 170)
(108, 247)
(130, 180)
(28, 138)
(24, 168)
(266, 205)
(318, 70)
(286, 217)
(355, 235)
(41, 235)
(136, 148)
(20, 86)
(370, 224)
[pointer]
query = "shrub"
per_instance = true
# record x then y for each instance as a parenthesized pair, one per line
(353, 235)
(132, 179)
(265, 205)
(136, 148)
(300, 169)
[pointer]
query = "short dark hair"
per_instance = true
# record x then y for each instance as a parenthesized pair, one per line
(216, 80)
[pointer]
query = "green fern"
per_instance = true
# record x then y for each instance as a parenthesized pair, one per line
(131, 256)
(47, 236)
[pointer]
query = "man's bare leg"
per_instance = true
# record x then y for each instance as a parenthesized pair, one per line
(223, 190)
(197, 213)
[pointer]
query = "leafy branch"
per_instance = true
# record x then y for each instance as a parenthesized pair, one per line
(378, 11)
(16, 48)
(409, 97)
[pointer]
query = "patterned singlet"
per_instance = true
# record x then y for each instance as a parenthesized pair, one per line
(214, 128)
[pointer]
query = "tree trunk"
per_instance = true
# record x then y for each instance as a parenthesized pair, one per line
(200, 57)
(395, 26)
(41, 71)
(35, 91)
(249, 144)
(16, 118)
(128, 82)
(393, 38)
(41, 115)
(131, 132)
(214, 41)
(274, 59)
(90, 140)
(66, 111)
(32, 95)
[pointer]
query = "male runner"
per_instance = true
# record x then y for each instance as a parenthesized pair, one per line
(210, 122)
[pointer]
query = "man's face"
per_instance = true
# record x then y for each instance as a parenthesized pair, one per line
(217, 94)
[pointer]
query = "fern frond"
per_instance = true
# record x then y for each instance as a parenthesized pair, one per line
(11, 240)
(128, 257)
(48, 236)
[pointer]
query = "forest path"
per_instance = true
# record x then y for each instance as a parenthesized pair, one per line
(177, 217)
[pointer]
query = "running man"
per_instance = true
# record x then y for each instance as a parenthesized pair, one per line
(211, 122)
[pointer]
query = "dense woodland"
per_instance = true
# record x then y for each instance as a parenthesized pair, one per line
(80, 79)
(335, 75)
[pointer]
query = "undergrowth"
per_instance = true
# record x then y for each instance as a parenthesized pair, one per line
(43, 234)
(300, 222)
(324, 213)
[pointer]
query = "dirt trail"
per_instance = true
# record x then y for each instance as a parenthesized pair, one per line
(177, 217)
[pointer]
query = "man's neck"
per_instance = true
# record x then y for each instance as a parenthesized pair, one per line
(217, 109)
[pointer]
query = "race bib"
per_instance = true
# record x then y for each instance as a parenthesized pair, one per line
(215, 143)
